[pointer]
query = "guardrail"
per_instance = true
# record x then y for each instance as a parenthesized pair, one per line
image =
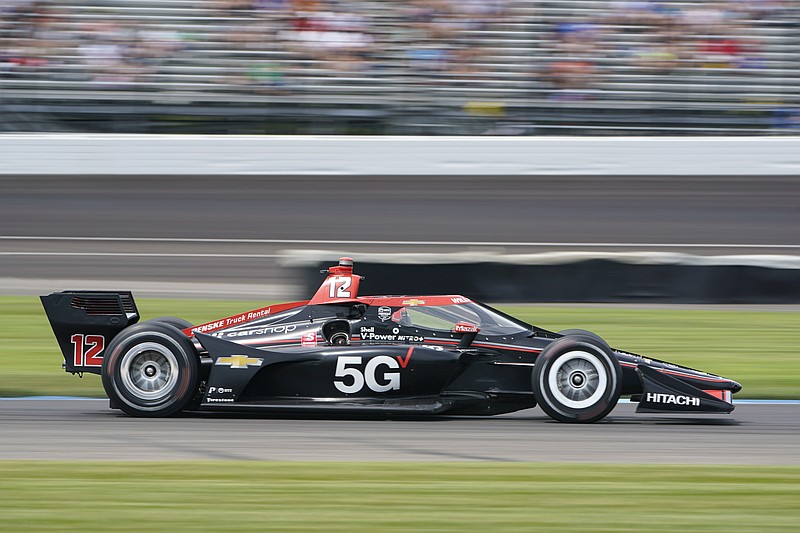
(95, 154)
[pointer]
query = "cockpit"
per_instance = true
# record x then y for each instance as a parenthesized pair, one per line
(449, 317)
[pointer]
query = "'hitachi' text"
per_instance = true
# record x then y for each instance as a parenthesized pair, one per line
(671, 398)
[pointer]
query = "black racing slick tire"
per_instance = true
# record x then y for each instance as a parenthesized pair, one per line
(582, 332)
(179, 323)
(150, 370)
(577, 379)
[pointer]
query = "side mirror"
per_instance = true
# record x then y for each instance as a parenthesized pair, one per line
(469, 330)
(466, 327)
(357, 311)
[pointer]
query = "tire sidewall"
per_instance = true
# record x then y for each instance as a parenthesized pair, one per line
(572, 346)
(183, 358)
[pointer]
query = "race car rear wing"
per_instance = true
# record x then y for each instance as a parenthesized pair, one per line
(84, 322)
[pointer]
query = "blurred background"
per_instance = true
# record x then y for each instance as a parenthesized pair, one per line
(431, 67)
(358, 69)
(643, 154)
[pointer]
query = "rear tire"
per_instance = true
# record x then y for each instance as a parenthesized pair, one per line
(577, 379)
(151, 370)
(176, 322)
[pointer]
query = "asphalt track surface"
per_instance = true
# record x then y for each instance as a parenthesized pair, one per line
(88, 430)
(53, 221)
(516, 215)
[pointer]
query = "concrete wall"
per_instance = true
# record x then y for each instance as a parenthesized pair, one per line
(543, 278)
(72, 154)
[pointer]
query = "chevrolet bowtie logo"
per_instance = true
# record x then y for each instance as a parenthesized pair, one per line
(239, 361)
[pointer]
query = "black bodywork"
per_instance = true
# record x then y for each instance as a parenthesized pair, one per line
(349, 354)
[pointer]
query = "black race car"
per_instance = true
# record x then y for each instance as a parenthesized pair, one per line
(344, 353)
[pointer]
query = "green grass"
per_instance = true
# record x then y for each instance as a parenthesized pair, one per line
(759, 349)
(265, 496)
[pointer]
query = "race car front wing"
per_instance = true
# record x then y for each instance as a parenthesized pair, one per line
(662, 392)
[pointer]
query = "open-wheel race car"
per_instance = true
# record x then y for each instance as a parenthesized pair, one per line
(349, 354)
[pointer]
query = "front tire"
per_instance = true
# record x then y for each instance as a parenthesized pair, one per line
(151, 370)
(584, 333)
(577, 379)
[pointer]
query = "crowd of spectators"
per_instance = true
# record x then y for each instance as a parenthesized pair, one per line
(563, 50)
(662, 38)
(267, 40)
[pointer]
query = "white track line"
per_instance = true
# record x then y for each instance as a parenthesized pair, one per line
(622, 400)
(143, 254)
(401, 243)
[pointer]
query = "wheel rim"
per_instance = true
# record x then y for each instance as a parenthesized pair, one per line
(578, 379)
(149, 371)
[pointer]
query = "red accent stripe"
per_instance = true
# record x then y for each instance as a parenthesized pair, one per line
(724, 395)
(681, 374)
(241, 318)
(701, 378)
(484, 345)
(501, 347)
(422, 301)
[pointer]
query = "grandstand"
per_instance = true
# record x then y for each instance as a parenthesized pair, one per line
(410, 66)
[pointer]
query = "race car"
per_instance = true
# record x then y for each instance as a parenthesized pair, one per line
(364, 355)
